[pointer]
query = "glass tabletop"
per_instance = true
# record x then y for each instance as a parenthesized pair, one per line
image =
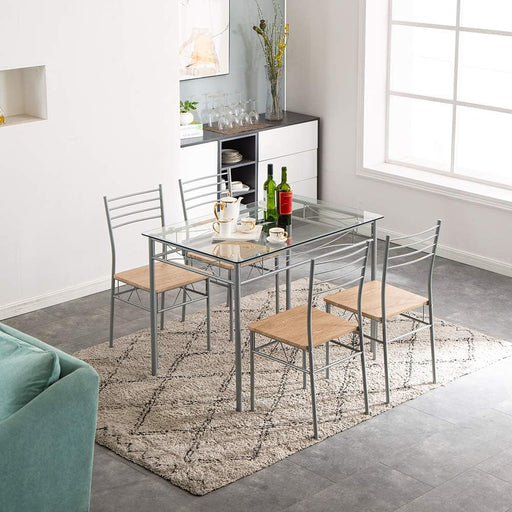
(312, 219)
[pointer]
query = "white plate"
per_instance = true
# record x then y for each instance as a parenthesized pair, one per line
(276, 242)
(232, 160)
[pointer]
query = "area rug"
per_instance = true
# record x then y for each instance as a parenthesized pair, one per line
(182, 424)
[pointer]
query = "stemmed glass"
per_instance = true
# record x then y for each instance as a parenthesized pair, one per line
(252, 115)
(226, 117)
(212, 108)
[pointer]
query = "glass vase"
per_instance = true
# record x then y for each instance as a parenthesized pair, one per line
(274, 110)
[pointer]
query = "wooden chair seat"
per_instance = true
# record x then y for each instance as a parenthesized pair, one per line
(167, 277)
(397, 300)
(290, 327)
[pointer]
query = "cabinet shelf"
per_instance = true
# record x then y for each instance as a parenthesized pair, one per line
(242, 163)
(242, 192)
(19, 119)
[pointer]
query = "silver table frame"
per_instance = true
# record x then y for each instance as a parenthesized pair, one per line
(236, 282)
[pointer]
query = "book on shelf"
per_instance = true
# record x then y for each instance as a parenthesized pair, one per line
(188, 131)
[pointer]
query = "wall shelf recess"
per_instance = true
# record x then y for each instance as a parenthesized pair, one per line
(23, 95)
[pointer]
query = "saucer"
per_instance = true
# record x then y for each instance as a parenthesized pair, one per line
(272, 241)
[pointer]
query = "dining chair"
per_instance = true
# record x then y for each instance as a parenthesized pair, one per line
(142, 207)
(382, 301)
(306, 327)
(198, 196)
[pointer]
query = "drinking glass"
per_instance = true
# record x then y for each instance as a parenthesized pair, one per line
(253, 116)
(212, 108)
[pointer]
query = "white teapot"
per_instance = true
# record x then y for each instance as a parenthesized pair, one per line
(229, 208)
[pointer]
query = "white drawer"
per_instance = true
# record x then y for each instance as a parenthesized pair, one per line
(300, 166)
(199, 160)
(287, 140)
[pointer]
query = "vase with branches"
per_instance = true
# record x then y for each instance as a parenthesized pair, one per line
(273, 36)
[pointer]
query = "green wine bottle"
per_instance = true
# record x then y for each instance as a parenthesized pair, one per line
(269, 195)
(284, 196)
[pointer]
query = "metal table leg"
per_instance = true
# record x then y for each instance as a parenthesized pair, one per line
(374, 323)
(288, 281)
(153, 308)
(276, 267)
(238, 335)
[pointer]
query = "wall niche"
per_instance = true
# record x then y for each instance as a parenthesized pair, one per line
(23, 95)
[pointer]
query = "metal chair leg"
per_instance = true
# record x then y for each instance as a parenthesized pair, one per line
(304, 367)
(112, 301)
(252, 369)
(229, 299)
(184, 307)
(313, 396)
(327, 359)
(363, 369)
(162, 306)
(432, 342)
(386, 367)
(327, 346)
(208, 315)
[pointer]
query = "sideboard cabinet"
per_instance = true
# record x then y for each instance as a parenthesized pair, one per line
(292, 143)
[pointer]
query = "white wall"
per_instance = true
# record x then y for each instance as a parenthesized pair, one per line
(111, 129)
(322, 79)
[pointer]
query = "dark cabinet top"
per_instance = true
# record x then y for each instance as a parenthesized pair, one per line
(289, 118)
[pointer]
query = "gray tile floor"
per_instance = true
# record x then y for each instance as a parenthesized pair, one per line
(448, 450)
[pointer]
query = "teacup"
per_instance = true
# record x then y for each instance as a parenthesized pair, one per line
(223, 227)
(277, 235)
(247, 224)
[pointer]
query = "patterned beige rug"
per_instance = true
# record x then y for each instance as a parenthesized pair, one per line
(182, 424)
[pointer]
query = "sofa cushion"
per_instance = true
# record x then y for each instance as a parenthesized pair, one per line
(25, 372)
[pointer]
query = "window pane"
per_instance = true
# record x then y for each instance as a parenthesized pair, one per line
(420, 132)
(439, 12)
(485, 69)
(483, 148)
(422, 61)
(489, 14)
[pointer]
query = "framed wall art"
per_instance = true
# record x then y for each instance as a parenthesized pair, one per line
(203, 38)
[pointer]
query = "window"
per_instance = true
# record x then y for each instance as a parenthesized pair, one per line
(449, 88)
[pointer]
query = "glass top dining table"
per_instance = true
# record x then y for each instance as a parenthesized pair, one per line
(313, 221)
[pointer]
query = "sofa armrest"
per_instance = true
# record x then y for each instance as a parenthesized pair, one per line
(46, 447)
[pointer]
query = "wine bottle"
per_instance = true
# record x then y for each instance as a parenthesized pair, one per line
(269, 195)
(284, 196)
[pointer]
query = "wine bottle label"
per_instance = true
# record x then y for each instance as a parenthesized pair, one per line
(285, 203)
(265, 198)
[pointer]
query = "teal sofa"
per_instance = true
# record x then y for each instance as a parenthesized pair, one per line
(47, 445)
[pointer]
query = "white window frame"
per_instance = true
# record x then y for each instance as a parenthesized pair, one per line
(375, 162)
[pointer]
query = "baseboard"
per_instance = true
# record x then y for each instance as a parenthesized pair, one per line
(56, 297)
(75, 292)
(475, 260)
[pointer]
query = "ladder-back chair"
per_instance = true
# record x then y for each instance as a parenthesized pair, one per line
(382, 301)
(306, 327)
(138, 207)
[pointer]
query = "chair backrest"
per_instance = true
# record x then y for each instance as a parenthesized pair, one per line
(410, 250)
(198, 195)
(341, 267)
(130, 209)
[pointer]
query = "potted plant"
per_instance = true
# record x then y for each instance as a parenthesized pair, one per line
(186, 109)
